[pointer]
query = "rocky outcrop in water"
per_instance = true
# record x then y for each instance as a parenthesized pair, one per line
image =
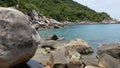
(56, 53)
(71, 55)
(18, 40)
(53, 37)
(40, 21)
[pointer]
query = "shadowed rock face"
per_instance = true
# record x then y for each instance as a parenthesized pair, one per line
(18, 40)
(110, 49)
(107, 61)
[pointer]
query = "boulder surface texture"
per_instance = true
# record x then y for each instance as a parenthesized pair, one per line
(18, 40)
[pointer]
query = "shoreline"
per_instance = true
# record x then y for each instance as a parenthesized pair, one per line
(40, 21)
(78, 24)
(85, 60)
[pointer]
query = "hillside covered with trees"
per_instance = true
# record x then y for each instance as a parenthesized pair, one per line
(60, 10)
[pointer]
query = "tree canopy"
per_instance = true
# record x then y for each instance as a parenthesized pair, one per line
(60, 10)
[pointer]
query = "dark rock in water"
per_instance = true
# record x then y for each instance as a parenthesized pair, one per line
(81, 46)
(56, 26)
(110, 49)
(18, 40)
(53, 37)
(107, 61)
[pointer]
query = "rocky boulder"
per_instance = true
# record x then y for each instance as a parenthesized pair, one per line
(90, 61)
(39, 21)
(59, 58)
(110, 49)
(66, 58)
(18, 40)
(81, 46)
(107, 61)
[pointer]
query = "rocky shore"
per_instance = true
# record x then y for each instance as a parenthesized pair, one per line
(20, 42)
(40, 21)
(109, 21)
(74, 54)
(61, 54)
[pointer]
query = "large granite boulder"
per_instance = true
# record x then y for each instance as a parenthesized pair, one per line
(18, 40)
(90, 61)
(107, 61)
(110, 49)
(81, 46)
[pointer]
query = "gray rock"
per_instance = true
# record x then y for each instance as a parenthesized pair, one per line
(52, 37)
(18, 40)
(71, 58)
(81, 46)
(42, 57)
(107, 61)
(40, 21)
(89, 61)
(59, 57)
(110, 49)
(49, 43)
(33, 14)
(52, 44)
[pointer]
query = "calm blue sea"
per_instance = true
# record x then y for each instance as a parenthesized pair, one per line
(94, 34)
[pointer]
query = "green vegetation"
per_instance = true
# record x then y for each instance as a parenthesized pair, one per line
(60, 10)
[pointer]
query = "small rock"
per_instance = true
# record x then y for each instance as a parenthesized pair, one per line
(53, 37)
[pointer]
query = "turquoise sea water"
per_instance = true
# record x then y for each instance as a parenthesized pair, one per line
(94, 34)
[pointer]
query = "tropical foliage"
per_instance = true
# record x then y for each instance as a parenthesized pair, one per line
(60, 10)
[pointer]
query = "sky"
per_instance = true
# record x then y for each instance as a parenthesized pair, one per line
(112, 7)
